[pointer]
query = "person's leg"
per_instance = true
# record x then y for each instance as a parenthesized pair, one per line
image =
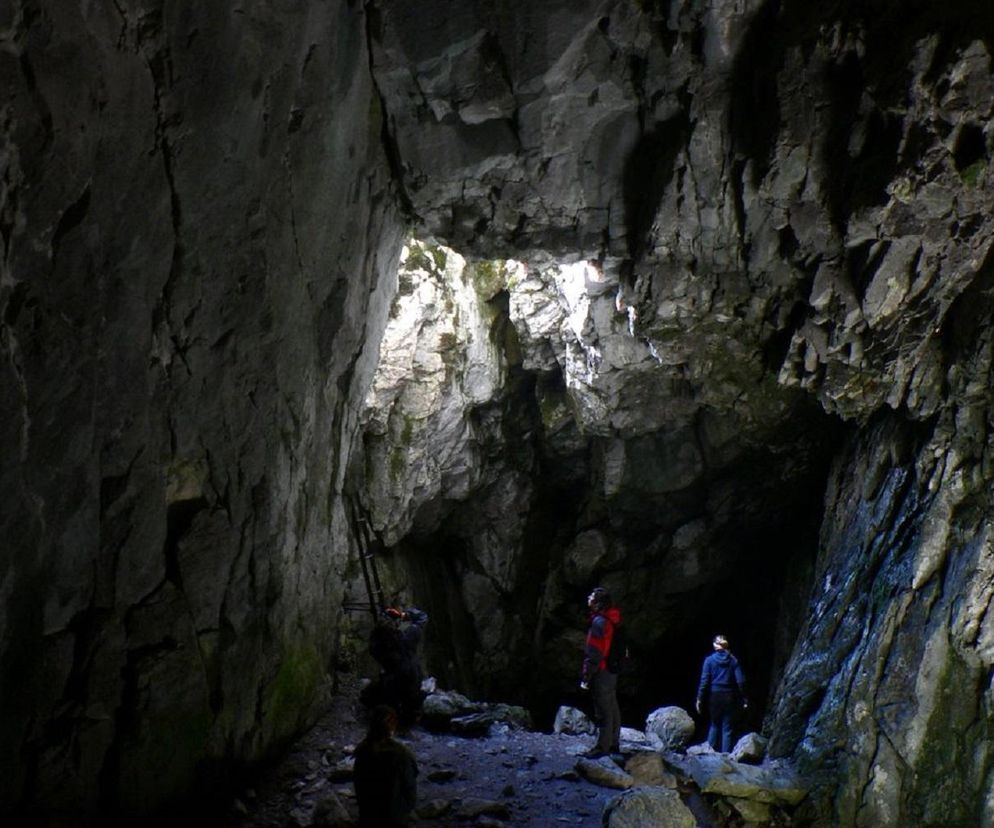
(602, 690)
(612, 722)
(719, 708)
(728, 731)
(714, 734)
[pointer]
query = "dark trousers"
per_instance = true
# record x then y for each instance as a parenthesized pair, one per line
(604, 693)
(723, 707)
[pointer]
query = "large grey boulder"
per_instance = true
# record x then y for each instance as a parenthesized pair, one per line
(669, 728)
(648, 808)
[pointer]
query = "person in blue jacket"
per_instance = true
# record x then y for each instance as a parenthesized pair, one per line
(722, 687)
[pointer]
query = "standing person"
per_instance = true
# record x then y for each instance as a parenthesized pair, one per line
(595, 675)
(394, 644)
(722, 686)
(385, 774)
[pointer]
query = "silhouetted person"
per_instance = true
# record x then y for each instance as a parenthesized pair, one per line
(394, 644)
(595, 675)
(385, 774)
(722, 686)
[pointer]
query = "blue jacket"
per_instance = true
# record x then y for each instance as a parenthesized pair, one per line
(721, 674)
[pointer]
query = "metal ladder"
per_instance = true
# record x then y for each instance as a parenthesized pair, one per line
(368, 543)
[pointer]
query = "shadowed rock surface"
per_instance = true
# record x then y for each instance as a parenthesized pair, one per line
(696, 304)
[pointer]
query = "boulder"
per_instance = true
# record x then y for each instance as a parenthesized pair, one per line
(633, 736)
(646, 768)
(439, 709)
(751, 811)
(474, 724)
(715, 774)
(604, 772)
(648, 808)
(573, 722)
(751, 749)
(515, 716)
(669, 728)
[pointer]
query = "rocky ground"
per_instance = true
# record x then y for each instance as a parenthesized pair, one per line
(509, 777)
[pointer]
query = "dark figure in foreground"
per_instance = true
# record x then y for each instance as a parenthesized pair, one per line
(385, 775)
(596, 675)
(394, 644)
(722, 687)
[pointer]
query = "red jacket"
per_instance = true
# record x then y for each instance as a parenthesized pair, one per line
(599, 637)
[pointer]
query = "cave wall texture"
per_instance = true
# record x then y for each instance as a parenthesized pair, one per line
(195, 212)
(781, 370)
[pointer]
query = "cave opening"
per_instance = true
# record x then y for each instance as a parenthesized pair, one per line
(503, 502)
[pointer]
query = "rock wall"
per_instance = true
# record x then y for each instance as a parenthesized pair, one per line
(199, 250)
(789, 209)
(780, 195)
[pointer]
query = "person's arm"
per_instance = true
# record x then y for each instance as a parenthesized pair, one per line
(415, 616)
(705, 683)
(740, 680)
(594, 650)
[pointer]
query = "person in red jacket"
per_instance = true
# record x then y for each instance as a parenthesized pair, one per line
(595, 675)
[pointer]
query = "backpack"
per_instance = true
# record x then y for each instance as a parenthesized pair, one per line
(617, 656)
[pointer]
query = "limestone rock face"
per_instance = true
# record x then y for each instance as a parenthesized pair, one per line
(198, 244)
(437, 364)
(788, 204)
(721, 338)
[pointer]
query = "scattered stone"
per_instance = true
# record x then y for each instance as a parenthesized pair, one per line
(473, 808)
(442, 775)
(669, 728)
(330, 813)
(604, 772)
(475, 724)
(633, 736)
(433, 809)
(573, 722)
(342, 771)
(440, 708)
(515, 716)
(751, 749)
(642, 807)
